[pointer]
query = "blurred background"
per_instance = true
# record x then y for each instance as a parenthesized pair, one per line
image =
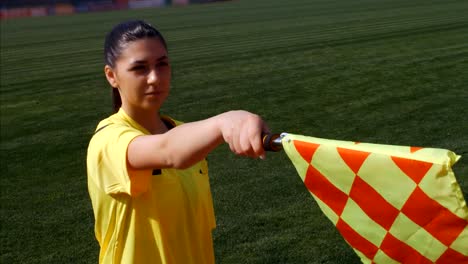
(34, 8)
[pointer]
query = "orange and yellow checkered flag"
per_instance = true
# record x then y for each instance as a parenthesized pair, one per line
(392, 204)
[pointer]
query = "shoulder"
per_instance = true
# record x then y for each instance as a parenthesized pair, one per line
(114, 130)
(119, 121)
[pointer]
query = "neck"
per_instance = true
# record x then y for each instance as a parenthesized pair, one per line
(150, 120)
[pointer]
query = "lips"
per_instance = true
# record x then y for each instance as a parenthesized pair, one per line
(155, 93)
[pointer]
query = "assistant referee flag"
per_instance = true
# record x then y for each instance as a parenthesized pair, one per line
(392, 204)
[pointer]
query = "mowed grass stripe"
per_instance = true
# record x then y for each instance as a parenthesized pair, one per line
(337, 35)
(59, 61)
(332, 31)
(74, 80)
(455, 56)
(59, 58)
(239, 52)
(69, 46)
(58, 71)
(307, 33)
(41, 84)
(408, 57)
(39, 70)
(309, 23)
(204, 26)
(40, 67)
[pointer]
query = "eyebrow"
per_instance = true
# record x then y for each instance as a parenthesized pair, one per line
(144, 61)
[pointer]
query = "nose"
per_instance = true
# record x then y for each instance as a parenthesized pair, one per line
(153, 77)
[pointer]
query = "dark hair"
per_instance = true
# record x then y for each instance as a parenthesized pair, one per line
(118, 38)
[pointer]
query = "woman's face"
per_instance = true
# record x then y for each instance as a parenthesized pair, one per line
(142, 74)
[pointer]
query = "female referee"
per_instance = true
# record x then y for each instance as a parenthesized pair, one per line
(147, 174)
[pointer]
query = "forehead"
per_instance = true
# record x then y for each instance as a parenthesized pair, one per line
(143, 49)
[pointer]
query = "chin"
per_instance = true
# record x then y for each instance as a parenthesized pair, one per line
(152, 106)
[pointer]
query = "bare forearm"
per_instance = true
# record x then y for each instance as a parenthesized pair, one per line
(191, 142)
(187, 144)
(178, 148)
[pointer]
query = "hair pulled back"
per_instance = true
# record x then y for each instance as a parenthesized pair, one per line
(118, 38)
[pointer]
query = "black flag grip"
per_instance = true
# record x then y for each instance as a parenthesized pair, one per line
(272, 142)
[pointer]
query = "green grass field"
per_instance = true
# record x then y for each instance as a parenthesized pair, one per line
(387, 71)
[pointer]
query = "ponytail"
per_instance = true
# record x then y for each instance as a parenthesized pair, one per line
(116, 100)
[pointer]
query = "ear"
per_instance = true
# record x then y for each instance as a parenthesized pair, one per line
(110, 76)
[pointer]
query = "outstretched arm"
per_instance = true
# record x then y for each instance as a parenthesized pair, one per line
(184, 145)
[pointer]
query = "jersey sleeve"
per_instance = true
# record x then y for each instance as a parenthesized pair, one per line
(108, 165)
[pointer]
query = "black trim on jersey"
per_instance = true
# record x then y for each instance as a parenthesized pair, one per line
(101, 128)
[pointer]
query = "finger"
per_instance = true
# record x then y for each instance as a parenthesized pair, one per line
(246, 143)
(231, 146)
(257, 145)
(265, 130)
(236, 139)
(255, 137)
(243, 142)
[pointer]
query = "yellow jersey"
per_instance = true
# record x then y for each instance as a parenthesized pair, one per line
(146, 216)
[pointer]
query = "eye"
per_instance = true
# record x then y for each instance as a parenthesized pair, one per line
(138, 68)
(162, 64)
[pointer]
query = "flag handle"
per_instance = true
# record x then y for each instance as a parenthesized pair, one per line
(272, 142)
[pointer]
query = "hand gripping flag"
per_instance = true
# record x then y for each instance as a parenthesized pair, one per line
(392, 204)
